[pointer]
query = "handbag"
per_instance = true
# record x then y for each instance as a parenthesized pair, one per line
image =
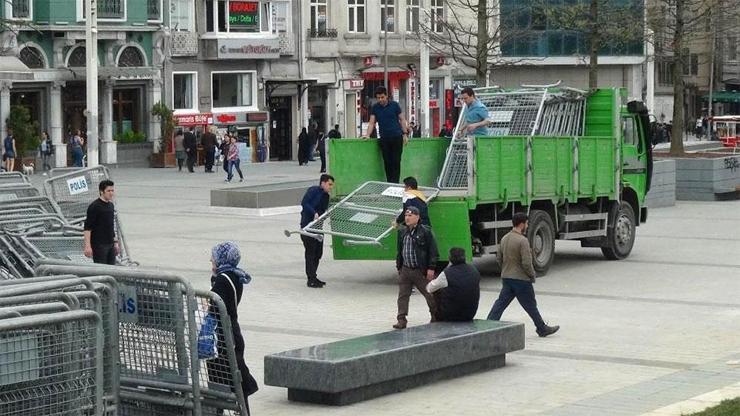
(207, 337)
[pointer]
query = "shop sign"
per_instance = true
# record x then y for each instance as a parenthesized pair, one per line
(193, 119)
(260, 117)
(230, 118)
(264, 48)
(354, 84)
(244, 15)
(433, 103)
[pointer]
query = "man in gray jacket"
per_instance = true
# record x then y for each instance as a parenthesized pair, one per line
(517, 276)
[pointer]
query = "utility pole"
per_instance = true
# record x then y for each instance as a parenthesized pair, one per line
(91, 79)
(424, 74)
(384, 16)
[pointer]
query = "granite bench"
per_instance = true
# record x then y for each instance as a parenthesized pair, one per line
(261, 196)
(362, 368)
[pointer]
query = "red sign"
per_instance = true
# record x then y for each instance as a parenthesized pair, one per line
(193, 119)
(256, 117)
(226, 118)
(243, 6)
(433, 103)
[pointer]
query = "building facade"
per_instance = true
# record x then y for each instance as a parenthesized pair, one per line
(49, 38)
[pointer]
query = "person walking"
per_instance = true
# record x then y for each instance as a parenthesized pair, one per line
(179, 149)
(233, 158)
(100, 240)
(394, 132)
(303, 147)
(9, 151)
(315, 202)
(476, 114)
(413, 197)
(456, 290)
(76, 144)
(416, 259)
(517, 276)
(228, 281)
(322, 151)
(209, 146)
(225, 144)
(45, 150)
(191, 148)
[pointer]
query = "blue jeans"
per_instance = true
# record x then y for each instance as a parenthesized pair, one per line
(77, 155)
(524, 293)
(234, 164)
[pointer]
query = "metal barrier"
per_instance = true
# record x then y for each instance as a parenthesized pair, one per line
(13, 178)
(56, 367)
(365, 215)
(13, 192)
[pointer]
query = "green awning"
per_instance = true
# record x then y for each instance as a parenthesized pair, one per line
(724, 97)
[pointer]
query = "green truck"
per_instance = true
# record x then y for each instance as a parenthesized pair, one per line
(579, 163)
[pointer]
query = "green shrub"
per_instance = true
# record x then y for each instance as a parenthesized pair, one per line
(25, 131)
(130, 136)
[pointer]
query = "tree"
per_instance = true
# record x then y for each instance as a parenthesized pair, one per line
(25, 131)
(167, 126)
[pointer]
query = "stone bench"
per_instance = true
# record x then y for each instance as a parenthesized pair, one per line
(282, 194)
(357, 369)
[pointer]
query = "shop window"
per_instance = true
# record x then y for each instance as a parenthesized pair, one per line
(131, 56)
(184, 91)
(412, 16)
(356, 16)
(238, 16)
(182, 15)
(77, 58)
(32, 57)
(231, 91)
(388, 15)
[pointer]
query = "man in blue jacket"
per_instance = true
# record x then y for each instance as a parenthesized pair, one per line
(315, 202)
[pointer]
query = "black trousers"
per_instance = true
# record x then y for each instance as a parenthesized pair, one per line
(322, 153)
(314, 249)
(210, 154)
(104, 254)
(392, 148)
(191, 159)
(523, 292)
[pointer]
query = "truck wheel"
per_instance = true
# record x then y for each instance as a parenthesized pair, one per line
(620, 236)
(541, 236)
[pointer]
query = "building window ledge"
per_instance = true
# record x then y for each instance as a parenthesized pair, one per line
(357, 36)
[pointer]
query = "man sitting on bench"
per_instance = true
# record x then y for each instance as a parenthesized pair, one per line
(456, 290)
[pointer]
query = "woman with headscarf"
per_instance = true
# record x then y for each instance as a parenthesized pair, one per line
(228, 282)
(303, 147)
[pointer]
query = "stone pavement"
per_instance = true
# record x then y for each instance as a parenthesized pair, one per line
(637, 335)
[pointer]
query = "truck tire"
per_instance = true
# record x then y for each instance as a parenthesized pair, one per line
(541, 236)
(620, 235)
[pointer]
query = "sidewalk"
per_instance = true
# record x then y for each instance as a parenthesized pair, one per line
(637, 335)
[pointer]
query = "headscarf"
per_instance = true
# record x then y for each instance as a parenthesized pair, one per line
(226, 256)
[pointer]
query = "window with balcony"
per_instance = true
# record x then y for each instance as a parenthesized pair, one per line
(19, 9)
(233, 91)
(238, 16)
(412, 16)
(184, 91)
(356, 16)
(387, 16)
(154, 10)
(437, 16)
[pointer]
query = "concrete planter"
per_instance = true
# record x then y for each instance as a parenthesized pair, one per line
(707, 179)
(134, 155)
(663, 189)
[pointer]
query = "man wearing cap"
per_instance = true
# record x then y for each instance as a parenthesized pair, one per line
(415, 260)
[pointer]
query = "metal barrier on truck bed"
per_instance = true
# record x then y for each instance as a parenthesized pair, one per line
(365, 215)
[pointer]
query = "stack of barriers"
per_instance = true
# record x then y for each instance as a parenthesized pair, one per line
(73, 190)
(154, 363)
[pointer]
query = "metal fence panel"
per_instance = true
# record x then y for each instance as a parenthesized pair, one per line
(13, 178)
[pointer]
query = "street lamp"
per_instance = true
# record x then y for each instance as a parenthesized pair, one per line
(91, 77)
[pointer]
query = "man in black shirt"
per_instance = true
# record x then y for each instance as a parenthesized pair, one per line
(209, 145)
(100, 237)
(457, 289)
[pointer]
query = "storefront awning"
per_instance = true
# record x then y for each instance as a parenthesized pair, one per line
(377, 73)
(11, 68)
(724, 97)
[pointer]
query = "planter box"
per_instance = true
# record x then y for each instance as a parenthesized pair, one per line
(663, 188)
(133, 155)
(707, 179)
(162, 160)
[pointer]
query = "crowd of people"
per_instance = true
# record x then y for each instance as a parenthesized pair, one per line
(223, 149)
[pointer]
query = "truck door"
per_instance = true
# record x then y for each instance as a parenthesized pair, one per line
(634, 155)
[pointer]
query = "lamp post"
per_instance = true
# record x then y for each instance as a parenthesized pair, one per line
(384, 16)
(424, 74)
(91, 79)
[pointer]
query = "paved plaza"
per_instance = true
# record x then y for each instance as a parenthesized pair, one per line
(636, 335)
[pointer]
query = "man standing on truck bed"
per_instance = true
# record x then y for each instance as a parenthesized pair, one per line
(517, 275)
(393, 132)
(476, 114)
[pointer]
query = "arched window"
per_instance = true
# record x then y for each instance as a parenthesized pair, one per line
(32, 57)
(131, 56)
(77, 58)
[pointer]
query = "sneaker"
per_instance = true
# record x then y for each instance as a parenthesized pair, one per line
(314, 284)
(548, 330)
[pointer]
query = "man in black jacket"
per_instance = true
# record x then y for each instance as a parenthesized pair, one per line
(209, 145)
(314, 204)
(415, 260)
(191, 147)
(457, 289)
